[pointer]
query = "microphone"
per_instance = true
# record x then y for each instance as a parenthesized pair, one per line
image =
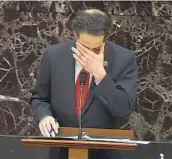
(83, 77)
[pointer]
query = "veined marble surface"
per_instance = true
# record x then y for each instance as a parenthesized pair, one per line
(26, 28)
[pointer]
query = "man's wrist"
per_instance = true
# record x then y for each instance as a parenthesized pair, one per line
(99, 76)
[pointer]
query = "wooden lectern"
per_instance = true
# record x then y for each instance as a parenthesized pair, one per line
(78, 149)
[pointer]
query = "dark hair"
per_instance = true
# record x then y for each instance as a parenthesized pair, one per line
(95, 23)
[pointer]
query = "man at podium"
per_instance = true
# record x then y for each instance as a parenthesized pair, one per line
(89, 78)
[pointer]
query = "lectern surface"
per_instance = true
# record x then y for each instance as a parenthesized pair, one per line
(79, 144)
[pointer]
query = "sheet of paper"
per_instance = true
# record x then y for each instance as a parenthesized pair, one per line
(116, 140)
(88, 138)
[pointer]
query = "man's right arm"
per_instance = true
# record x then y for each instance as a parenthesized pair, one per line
(40, 100)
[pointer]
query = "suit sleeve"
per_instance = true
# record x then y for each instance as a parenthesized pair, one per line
(40, 100)
(119, 97)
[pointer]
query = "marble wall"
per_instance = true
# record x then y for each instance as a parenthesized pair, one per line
(144, 27)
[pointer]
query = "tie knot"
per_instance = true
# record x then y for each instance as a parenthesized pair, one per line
(83, 70)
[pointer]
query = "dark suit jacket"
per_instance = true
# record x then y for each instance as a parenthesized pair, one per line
(107, 104)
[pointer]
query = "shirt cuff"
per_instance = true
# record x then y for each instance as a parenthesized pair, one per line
(97, 82)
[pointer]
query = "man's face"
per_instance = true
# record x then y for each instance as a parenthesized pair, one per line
(91, 42)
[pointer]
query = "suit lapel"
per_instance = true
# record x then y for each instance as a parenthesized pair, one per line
(108, 60)
(90, 98)
(69, 72)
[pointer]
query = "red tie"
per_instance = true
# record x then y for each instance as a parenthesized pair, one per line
(77, 92)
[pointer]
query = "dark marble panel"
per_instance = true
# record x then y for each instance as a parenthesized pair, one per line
(141, 8)
(162, 8)
(16, 118)
(24, 36)
(27, 27)
(38, 6)
(113, 7)
(150, 39)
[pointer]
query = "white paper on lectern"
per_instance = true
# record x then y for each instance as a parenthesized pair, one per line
(86, 137)
(118, 140)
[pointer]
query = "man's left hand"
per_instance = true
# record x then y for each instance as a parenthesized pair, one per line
(90, 61)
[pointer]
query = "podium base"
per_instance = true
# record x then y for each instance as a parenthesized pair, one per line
(75, 153)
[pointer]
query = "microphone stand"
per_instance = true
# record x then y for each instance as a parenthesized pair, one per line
(80, 134)
(83, 77)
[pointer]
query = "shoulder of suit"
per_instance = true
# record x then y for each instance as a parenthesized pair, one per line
(120, 51)
(60, 46)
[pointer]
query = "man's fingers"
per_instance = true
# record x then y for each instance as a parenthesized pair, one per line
(41, 129)
(86, 50)
(76, 51)
(79, 60)
(102, 49)
(80, 55)
(84, 54)
(46, 128)
(82, 47)
(52, 134)
(54, 125)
